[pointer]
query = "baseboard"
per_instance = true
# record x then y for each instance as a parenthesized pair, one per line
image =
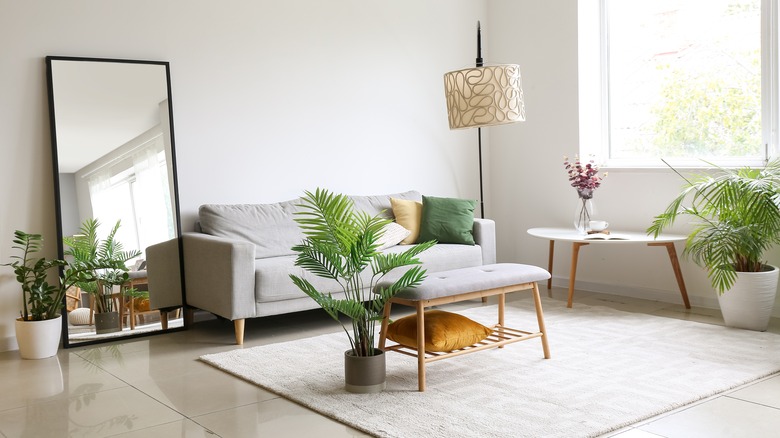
(664, 296)
(8, 344)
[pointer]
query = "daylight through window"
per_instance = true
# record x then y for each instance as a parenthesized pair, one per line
(684, 80)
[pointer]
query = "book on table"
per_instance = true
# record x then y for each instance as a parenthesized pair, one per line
(604, 236)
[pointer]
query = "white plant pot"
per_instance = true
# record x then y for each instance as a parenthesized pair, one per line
(38, 339)
(748, 304)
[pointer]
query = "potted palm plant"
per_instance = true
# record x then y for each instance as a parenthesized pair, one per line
(341, 245)
(736, 216)
(39, 325)
(87, 249)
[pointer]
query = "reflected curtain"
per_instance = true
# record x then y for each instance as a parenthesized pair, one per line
(139, 181)
(152, 194)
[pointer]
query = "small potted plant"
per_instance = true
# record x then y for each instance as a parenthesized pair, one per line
(341, 245)
(39, 325)
(736, 219)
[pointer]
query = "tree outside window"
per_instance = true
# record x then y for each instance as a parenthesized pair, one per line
(684, 79)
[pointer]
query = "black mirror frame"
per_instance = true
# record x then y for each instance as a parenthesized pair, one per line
(57, 194)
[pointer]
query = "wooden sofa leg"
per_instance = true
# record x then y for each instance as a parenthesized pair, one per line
(239, 325)
(164, 319)
(189, 316)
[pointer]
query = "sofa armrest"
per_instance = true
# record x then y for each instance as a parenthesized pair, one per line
(163, 272)
(219, 275)
(485, 236)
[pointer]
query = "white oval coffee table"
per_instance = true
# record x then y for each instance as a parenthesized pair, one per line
(613, 238)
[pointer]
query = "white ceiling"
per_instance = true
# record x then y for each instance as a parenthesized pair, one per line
(99, 106)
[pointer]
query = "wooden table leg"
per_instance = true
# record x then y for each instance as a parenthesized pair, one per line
(550, 263)
(575, 252)
(132, 313)
(421, 346)
(540, 320)
(164, 319)
(676, 267)
(385, 322)
(501, 307)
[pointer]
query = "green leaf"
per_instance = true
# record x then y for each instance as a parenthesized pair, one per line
(341, 244)
(735, 216)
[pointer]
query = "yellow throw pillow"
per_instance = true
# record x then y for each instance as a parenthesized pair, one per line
(444, 331)
(407, 214)
(142, 305)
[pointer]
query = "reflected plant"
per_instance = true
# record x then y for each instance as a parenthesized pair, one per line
(86, 249)
(95, 357)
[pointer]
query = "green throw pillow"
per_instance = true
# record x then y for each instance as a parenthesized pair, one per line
(447, 220)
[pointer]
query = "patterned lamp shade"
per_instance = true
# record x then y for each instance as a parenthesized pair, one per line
(484, 96)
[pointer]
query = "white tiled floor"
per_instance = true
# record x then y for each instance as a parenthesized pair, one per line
(156, 387)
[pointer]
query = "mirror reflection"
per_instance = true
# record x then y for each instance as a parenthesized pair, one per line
(116, 188)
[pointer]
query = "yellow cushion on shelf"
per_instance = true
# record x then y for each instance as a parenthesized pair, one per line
(141, 304)
(444, 331)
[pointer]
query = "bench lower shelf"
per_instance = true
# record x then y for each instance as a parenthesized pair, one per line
(498, 337)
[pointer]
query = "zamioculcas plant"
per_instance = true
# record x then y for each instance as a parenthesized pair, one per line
(41, 299)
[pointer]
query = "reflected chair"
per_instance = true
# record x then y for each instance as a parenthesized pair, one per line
(72, 298)
(137, 278)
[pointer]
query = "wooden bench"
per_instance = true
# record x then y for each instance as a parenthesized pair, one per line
(468, 284)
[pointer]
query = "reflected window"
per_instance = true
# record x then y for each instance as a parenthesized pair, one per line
(134, 190)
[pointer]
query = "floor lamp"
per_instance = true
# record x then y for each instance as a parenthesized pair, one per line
(484, 96)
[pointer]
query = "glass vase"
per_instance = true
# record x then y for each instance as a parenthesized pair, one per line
(583, 211)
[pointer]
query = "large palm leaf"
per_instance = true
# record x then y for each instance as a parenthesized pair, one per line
(340, 245)
(736, 220)
(105, 259)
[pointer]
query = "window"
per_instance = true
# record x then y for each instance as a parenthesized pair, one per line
(682, 80)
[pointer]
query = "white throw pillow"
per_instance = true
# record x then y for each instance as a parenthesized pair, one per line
(79, 316)
(393, 235)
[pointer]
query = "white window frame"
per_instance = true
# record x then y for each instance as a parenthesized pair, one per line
(594, 99)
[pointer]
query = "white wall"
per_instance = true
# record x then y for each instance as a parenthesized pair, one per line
(270, 98)
(529, 187)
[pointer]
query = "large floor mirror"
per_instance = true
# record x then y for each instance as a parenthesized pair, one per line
(116, 194)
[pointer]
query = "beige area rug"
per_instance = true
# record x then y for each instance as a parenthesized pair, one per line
(608, 369)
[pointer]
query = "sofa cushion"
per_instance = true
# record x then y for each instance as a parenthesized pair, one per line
(380, 204)
(273, 283)
(271, 227)
(392, 235)
(447, 220)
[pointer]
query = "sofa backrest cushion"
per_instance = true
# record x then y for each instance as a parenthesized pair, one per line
(272, 227)
(374, 205)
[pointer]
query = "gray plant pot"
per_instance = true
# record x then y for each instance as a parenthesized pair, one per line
(364, 374)
(107, 322)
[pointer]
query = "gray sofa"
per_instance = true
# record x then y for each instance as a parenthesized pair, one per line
(238, 265)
